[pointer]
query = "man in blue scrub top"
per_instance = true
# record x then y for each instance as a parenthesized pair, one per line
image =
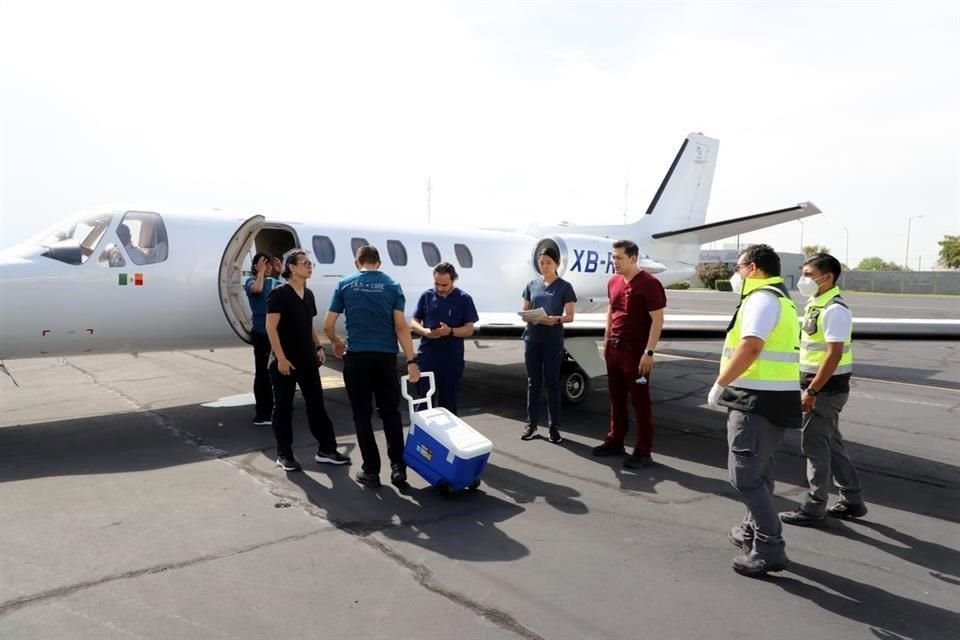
(444, 317)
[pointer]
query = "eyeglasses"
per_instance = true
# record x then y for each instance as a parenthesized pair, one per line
(739, 266)
(306, 263)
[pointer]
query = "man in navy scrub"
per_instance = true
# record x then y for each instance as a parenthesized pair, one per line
(444, 317)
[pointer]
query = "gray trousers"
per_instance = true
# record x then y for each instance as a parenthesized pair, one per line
(822, 445)
(753, 442)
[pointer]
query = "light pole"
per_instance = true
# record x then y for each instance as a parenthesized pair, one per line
(847, 252)
(906, 258)
(801, 236)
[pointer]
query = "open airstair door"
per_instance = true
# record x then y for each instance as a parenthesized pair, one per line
(232, 296)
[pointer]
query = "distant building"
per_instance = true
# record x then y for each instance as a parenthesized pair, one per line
(790, 263)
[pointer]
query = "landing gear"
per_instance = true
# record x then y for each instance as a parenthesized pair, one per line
(574, 382)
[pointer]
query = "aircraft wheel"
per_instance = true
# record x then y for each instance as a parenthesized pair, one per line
(574, 384)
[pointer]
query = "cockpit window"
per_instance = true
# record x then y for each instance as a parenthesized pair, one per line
(143, 236)
(76, 241)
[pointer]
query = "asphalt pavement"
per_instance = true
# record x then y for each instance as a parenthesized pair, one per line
(132, 510)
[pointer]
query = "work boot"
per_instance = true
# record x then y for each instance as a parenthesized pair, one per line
(801, 518)
(847, 510)
(757, 566)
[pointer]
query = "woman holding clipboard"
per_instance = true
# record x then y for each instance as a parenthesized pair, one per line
(543, 341)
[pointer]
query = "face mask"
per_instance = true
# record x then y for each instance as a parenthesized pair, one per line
(808, 286)
(736, 283)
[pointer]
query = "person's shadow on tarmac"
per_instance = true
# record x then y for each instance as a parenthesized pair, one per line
(887, 613)
(463, 526)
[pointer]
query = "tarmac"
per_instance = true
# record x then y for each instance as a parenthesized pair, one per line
(132, 510)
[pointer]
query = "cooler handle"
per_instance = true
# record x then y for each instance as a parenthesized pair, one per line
(413, 402)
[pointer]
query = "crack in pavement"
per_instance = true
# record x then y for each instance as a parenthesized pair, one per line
(19, 603)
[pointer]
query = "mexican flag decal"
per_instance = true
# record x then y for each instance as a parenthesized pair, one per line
(123, 279)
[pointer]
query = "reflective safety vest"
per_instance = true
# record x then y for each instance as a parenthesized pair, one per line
(813, 346)
(777, 368)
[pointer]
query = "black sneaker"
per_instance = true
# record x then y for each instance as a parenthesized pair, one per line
(801, 518)
(262, 422)
(371, 480)
(288, 463)
(847, 510)
(398, 477)
(331, 458)
(555, 436)
(529, 432)
(608, 449)
(637, 460)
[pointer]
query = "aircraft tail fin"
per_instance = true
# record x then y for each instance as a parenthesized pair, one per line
(681, 201)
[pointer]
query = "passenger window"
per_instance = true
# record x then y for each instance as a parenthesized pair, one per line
(324, 250)
(464, 257)
(76, 241)
(112, 256)
(398, 253)
(431, 254)
(356, 243)
(144, 237)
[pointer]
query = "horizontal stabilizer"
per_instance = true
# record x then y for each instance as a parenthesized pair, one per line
(727, 228)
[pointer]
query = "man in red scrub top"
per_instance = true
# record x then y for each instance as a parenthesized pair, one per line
(634, 323)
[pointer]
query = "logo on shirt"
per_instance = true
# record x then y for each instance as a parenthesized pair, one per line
(372, 287)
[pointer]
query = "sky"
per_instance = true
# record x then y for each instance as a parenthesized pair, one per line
(515, 113)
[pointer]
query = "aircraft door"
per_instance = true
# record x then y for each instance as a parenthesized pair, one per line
(230, 282)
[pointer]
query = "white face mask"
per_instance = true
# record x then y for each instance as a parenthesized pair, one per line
(736, 283)
(808, 286)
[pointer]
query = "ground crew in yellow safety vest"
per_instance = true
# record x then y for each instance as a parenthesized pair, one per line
(759, 383)
(826, 362)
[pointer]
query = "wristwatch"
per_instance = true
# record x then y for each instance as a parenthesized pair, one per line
(412, 360)
(811, 391)
(650, 352)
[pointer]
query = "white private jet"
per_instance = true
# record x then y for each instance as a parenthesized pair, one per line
(130, 281)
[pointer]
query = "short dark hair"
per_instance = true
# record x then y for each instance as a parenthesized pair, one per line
(445, 269)
(256, 259)
(629, 247)
(764, 257)
(291, 260)
(368, 254)
(825, 263)
(550, 252)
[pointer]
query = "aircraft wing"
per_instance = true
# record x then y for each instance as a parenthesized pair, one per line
(509, 325)
(727, 228)
(505, 325)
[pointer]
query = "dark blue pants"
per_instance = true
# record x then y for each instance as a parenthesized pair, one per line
(543, 369)
(447, 374)
(262, 389)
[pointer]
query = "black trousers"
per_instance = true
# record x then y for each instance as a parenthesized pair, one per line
(308, 377)
(372, 376)
(262, 387)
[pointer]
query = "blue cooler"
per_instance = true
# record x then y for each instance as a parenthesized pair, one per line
(445, 450)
